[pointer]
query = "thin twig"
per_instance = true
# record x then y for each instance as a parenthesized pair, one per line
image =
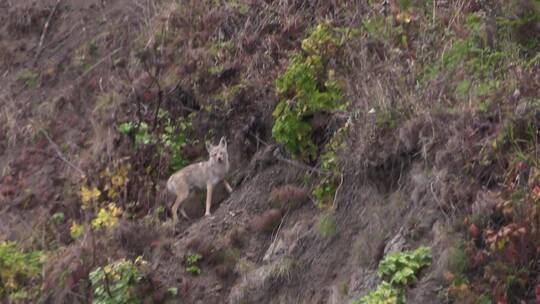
(439, 203)
(59, 153)
(299, 164)
(278, 230)
(61, 39)
(97, 64)
(334, 205)
(44, 32)
(290, 161)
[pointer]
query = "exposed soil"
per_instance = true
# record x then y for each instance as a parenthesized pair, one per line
(416, 176)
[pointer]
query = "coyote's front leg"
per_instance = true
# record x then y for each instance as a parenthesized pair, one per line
(209, 190)
(229, 188)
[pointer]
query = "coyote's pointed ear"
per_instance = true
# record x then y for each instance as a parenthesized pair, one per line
(208, 147)
(223, 142)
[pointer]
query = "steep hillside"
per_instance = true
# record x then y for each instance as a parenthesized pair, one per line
(381, 151)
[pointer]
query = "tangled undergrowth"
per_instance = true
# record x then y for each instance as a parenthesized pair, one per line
(117, 282)
(20, 272)
(431, 105)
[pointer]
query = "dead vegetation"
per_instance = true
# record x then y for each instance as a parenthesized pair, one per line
(441, 107)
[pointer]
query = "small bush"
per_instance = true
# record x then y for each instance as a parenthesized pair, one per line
(107, 217)
(58, 217)
(173, 137)
(76, 230)
(19, 271)
(397, 270)
(384, 294)
(192, 262)
(116, 283)
(89, 196)
(401, 268)
(307, 87)
(115, 180)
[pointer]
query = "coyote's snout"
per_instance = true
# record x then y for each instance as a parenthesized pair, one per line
(200, 175)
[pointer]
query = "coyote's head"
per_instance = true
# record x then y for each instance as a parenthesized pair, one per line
(218, 154)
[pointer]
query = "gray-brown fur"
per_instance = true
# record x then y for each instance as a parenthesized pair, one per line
(201, 175)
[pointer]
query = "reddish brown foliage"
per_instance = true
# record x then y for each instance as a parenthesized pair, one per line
(288, 197)
(266, 222)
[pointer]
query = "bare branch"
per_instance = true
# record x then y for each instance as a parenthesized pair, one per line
(59, 153)
(44, 32)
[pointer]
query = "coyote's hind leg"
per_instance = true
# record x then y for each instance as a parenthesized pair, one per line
(182, 192)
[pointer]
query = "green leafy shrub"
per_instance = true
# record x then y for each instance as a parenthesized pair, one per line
(173, 137)
(398, 270)
(107, 218)
(401, 268)
(192, 261)
(116, 283)
(141, 132)
(307, 87)
(384, 294)
(17, 270)
(76, 230)
(58, 217)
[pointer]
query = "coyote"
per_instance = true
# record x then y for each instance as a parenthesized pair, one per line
(200, 175)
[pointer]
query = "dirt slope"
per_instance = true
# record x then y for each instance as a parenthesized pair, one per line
(434, 142)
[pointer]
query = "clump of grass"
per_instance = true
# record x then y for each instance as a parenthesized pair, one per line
(30, 78)
(327, 225)
(283, 269)
(457, 261)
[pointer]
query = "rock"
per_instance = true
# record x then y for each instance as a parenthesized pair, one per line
(256, 284)
(336, 296)
(396, 244)
(286, 242)
(361, 283)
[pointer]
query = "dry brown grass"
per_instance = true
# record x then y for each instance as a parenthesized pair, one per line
(266, 222)
(288, 197)
(237, 237)
(201, 246)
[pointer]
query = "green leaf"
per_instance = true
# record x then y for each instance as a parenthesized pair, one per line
(173, 291)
